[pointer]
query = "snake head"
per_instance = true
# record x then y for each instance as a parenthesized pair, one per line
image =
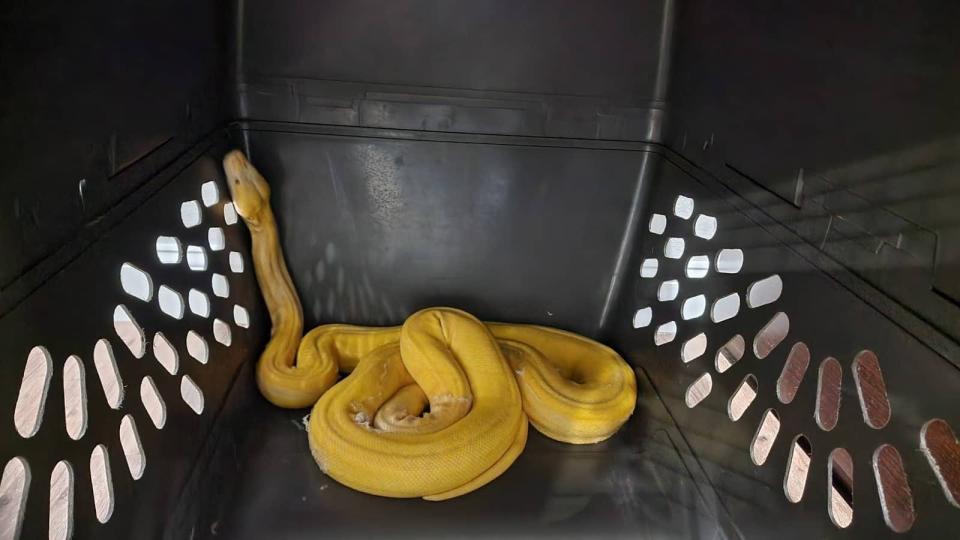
(249, 190)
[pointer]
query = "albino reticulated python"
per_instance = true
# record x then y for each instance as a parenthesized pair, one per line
(481, 381)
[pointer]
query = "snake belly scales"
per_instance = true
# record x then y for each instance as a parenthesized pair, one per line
(434, 408)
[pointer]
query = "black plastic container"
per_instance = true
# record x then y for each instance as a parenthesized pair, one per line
(733, 195)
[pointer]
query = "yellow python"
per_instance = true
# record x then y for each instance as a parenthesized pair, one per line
(481, 381)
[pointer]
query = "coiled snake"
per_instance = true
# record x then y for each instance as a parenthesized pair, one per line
(437, 407)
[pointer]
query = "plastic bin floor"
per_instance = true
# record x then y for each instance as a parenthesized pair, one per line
(261, 482)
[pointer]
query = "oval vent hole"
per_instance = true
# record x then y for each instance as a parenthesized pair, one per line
(153, 403)
(74, 398)
(673, 248)
(190, 214)
(871, 389)
(725, 308)
(241, 317)
(729, 261)
(698, 390)
(771, 335)
(199, 303)
(209, 193)
(136, 282)
(197, 347)
(61, 501)
(765, 436)
(665, 333)
(731, 353)
(693, 348)
(798, 468)
(683, 207)
(102, 483)
(32, 397)
(698, 266)
(798, 360)
(220, 285)
(741, 399)
(705, 226)
(642, 317)
(191, 394)
(171, 302)
(828, 394)
(132, 447)
(196, 258)
(14, 487)
(236, 262)
(693, 307)
(658, 223)
(942, 449)
(840, 490)
(129, 331)
(668, 290)
(229, 213)
(221, 332)
(763, 292)
(169, 250)
(216, 239)
(165, 353)
(648, 268)
(106, 364)
(896, 500)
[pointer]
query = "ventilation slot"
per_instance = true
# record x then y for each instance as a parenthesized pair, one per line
(107, 372)
(169, 250)
(216, 239)
(171, 302)
(705, 227)
(220, 285)
(699, 390)
(221, 332)
(165, 354)
(642, 317)
(236, 262)
(698, 266)
(763, 292)
(196, 258)
(136, 282)
(209, 193)
(942, 449)
(725, 308)
(840, 494)
(658, 223)
(793, 371)
(742, 398)
(132, 448)
(28, 412)
(896, 501)
(153, 403)
(764, 438)
(191, 394)
(673, 248)
(731, 353)
(199, 303)
(102, 483)
(129, 331)
(241, 317)
(798, 468)
(648, 268)
(74, 398)
(694, 348)
(771, 335)
(693, 307)
(665, 333)
(14, 487)
(828, 394)
(729, 261)
(61, 501)
(683, 207)
(871, 389)
(668, 290)
(197, 347)
(190, 214)
(229, 213)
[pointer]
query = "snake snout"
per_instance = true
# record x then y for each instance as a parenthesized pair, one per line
(248, 189)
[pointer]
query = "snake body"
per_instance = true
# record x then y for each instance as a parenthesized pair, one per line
(434, 408)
